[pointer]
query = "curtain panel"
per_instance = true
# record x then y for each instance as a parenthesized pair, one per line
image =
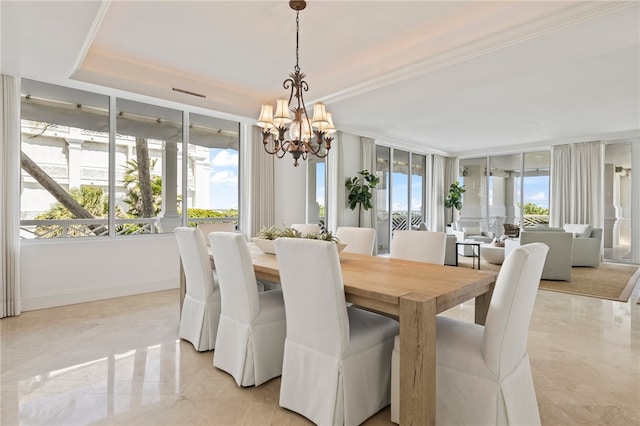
(437, 212)
(336, 195)
(577, 184)
(368, 162)
(10, 196)
(261, 207)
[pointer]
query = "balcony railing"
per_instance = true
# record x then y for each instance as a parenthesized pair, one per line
(74, 228)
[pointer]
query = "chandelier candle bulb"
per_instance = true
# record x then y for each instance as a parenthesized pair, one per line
(300, 130)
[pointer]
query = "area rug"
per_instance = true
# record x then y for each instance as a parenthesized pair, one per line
(611, 281)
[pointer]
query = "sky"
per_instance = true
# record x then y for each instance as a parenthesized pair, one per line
(223, 178)
(224, 185)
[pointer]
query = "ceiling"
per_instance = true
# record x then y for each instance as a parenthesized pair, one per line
(451, 77)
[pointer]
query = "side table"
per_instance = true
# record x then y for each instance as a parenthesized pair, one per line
(476, 252)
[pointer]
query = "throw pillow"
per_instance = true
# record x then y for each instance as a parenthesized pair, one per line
(472, 230)
(578, 230)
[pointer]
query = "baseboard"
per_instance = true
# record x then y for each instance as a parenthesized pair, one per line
(69, 298)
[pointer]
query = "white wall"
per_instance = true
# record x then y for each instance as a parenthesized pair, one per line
(62, 272)
(352, 165)
(290, 191)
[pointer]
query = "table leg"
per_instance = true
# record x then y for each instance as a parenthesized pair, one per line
(417, 360)
(482, 306)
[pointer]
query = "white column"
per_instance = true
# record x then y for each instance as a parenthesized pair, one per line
(611, 230)
(74, 162)
(169, 219)
(201, 169)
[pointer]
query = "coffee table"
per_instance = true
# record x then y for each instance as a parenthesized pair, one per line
(492, 254)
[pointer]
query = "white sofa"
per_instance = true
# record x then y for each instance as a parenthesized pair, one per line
(467, 229)
(558, 263)
(587, 244)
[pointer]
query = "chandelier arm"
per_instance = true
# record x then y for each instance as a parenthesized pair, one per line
(266, 143)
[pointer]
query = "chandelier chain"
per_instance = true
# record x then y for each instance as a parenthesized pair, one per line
(297, 67)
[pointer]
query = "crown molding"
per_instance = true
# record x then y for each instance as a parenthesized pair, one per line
(582, 12)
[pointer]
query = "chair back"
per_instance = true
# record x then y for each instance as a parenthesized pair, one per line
(358, 240)
(236, 276)
(420, 246)
(195, 261)
(307, 228)
(314, 301)
(507, 324)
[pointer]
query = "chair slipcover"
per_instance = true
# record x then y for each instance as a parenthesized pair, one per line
(251, 333)
(483, 374)
(201, 306)
(337, 359)
(420, 246)
(358, 240)
(307, 228)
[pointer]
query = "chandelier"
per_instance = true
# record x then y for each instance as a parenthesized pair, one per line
(280, 132)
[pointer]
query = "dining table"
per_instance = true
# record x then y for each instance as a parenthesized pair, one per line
(414, 293)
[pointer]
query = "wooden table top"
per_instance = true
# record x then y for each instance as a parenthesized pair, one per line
(385, 279)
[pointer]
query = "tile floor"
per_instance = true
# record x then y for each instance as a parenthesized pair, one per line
(118, 362)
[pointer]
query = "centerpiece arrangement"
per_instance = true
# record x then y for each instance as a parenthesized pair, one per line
(264, 239)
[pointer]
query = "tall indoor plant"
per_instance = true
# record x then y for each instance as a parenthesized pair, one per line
(359, 191)
(454, 198)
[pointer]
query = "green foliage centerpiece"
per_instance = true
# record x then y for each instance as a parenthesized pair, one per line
(273, 232)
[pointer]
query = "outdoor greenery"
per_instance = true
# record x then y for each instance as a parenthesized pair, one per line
(132, 187)
(530, 208)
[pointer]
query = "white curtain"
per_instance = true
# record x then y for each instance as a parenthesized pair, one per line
(368, 162)
(437, 213)
(10, 196)
(577, 184)
(336, 195)
(260, 206)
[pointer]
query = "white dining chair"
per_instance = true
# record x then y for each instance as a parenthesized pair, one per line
(208, 228)
(358, 240)
(483, 374)
(420, 246)
(337, 360)
(251, 333)
(202, 304)
(307, 228)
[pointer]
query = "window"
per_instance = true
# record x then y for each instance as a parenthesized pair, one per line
(212, 170)
(69, 190)
(147, 141)
(535, 195)
(383, 158)
(65, 162)
(401, 191)
(316, 184)
(504, 200)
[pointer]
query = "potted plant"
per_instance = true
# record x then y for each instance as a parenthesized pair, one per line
(359, 191)
(454, 199)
